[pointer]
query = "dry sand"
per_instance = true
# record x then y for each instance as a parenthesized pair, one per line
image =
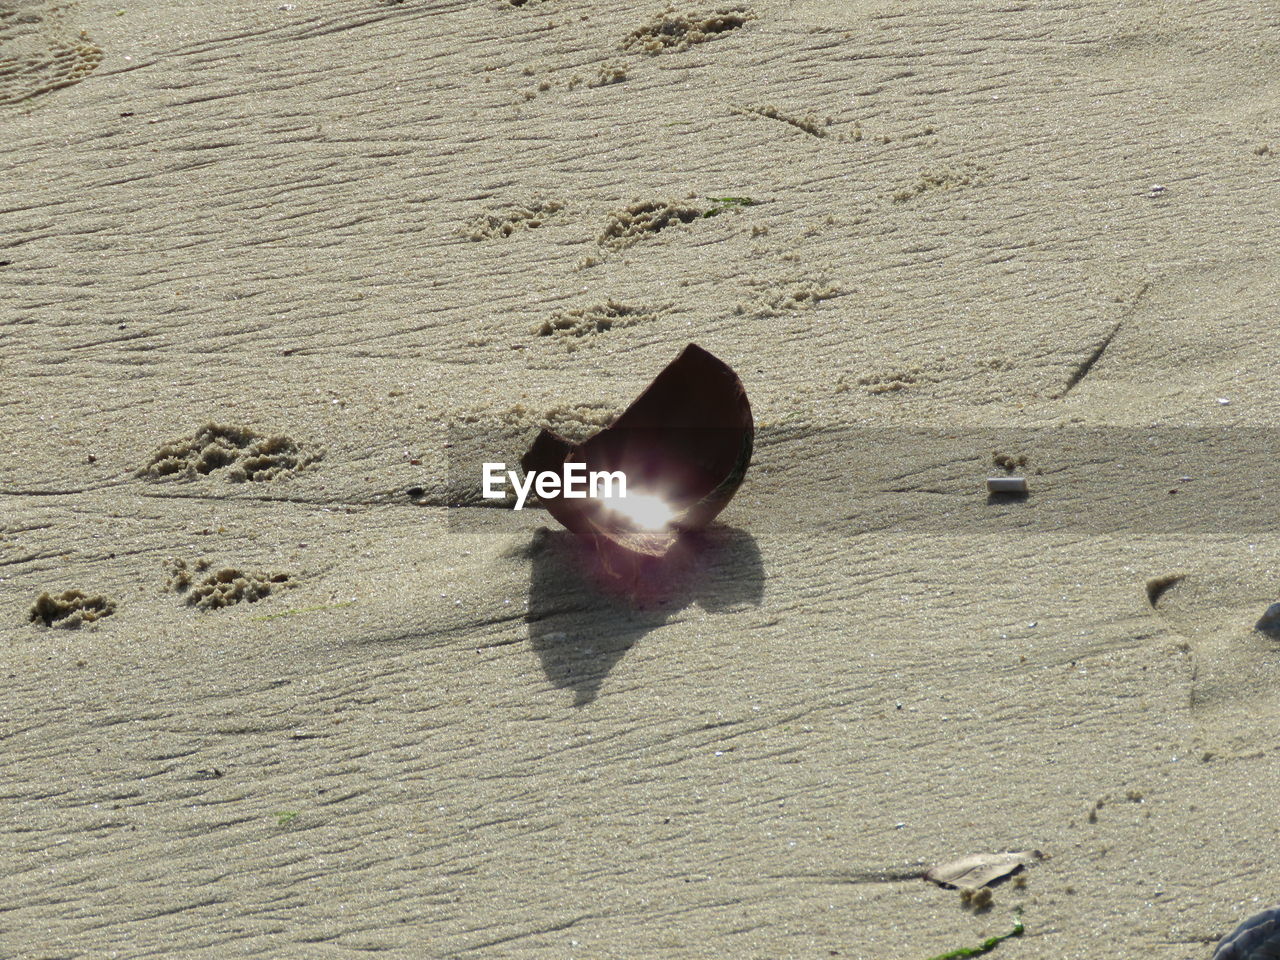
(345, 223)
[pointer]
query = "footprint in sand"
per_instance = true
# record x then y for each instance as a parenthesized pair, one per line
(70, 609)
(644, 219)
(941, 178)
(222, 588)
(1235, 692)
(597, 318)
(680, 29)
(500, 222)
(40, 49)
(244, 453)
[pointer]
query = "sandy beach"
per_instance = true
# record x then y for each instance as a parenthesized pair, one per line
(267, 268)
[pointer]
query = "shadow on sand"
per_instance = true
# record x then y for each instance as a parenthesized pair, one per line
(588, 604)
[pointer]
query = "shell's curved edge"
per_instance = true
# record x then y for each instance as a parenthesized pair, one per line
(1258, 938)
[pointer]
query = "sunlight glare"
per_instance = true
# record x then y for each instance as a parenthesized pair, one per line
(644, 510)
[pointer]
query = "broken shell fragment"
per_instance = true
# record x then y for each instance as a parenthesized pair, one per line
(683, 447)
(1258, 938)
(981, 869)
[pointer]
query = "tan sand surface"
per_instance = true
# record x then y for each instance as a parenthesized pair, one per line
(346, 222)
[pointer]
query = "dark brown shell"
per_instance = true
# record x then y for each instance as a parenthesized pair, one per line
(688, 436)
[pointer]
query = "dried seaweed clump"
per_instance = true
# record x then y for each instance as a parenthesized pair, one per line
(231, 585)
(676, 30)
(644, 219)
(245, 454)
(70, 609)
(594, 319)
(504, 221)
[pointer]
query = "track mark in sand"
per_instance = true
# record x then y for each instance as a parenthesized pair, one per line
(822, 129)
(941, 178)
(505, 220)
(70, 609)
(1158, 586)
(808, 123)
(224, 587)
(890, 381)
(1082, 371)
(645, 219)
(584, 321)
(575, 422)
(790, 296)
(677, 30)
(40, 51)
(892, 874)
(897, 378)
(245, 454)
(1089, 362)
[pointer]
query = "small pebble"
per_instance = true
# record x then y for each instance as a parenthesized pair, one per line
(415, 492)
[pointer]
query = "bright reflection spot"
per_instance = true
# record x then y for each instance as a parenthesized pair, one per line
(644, 510)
